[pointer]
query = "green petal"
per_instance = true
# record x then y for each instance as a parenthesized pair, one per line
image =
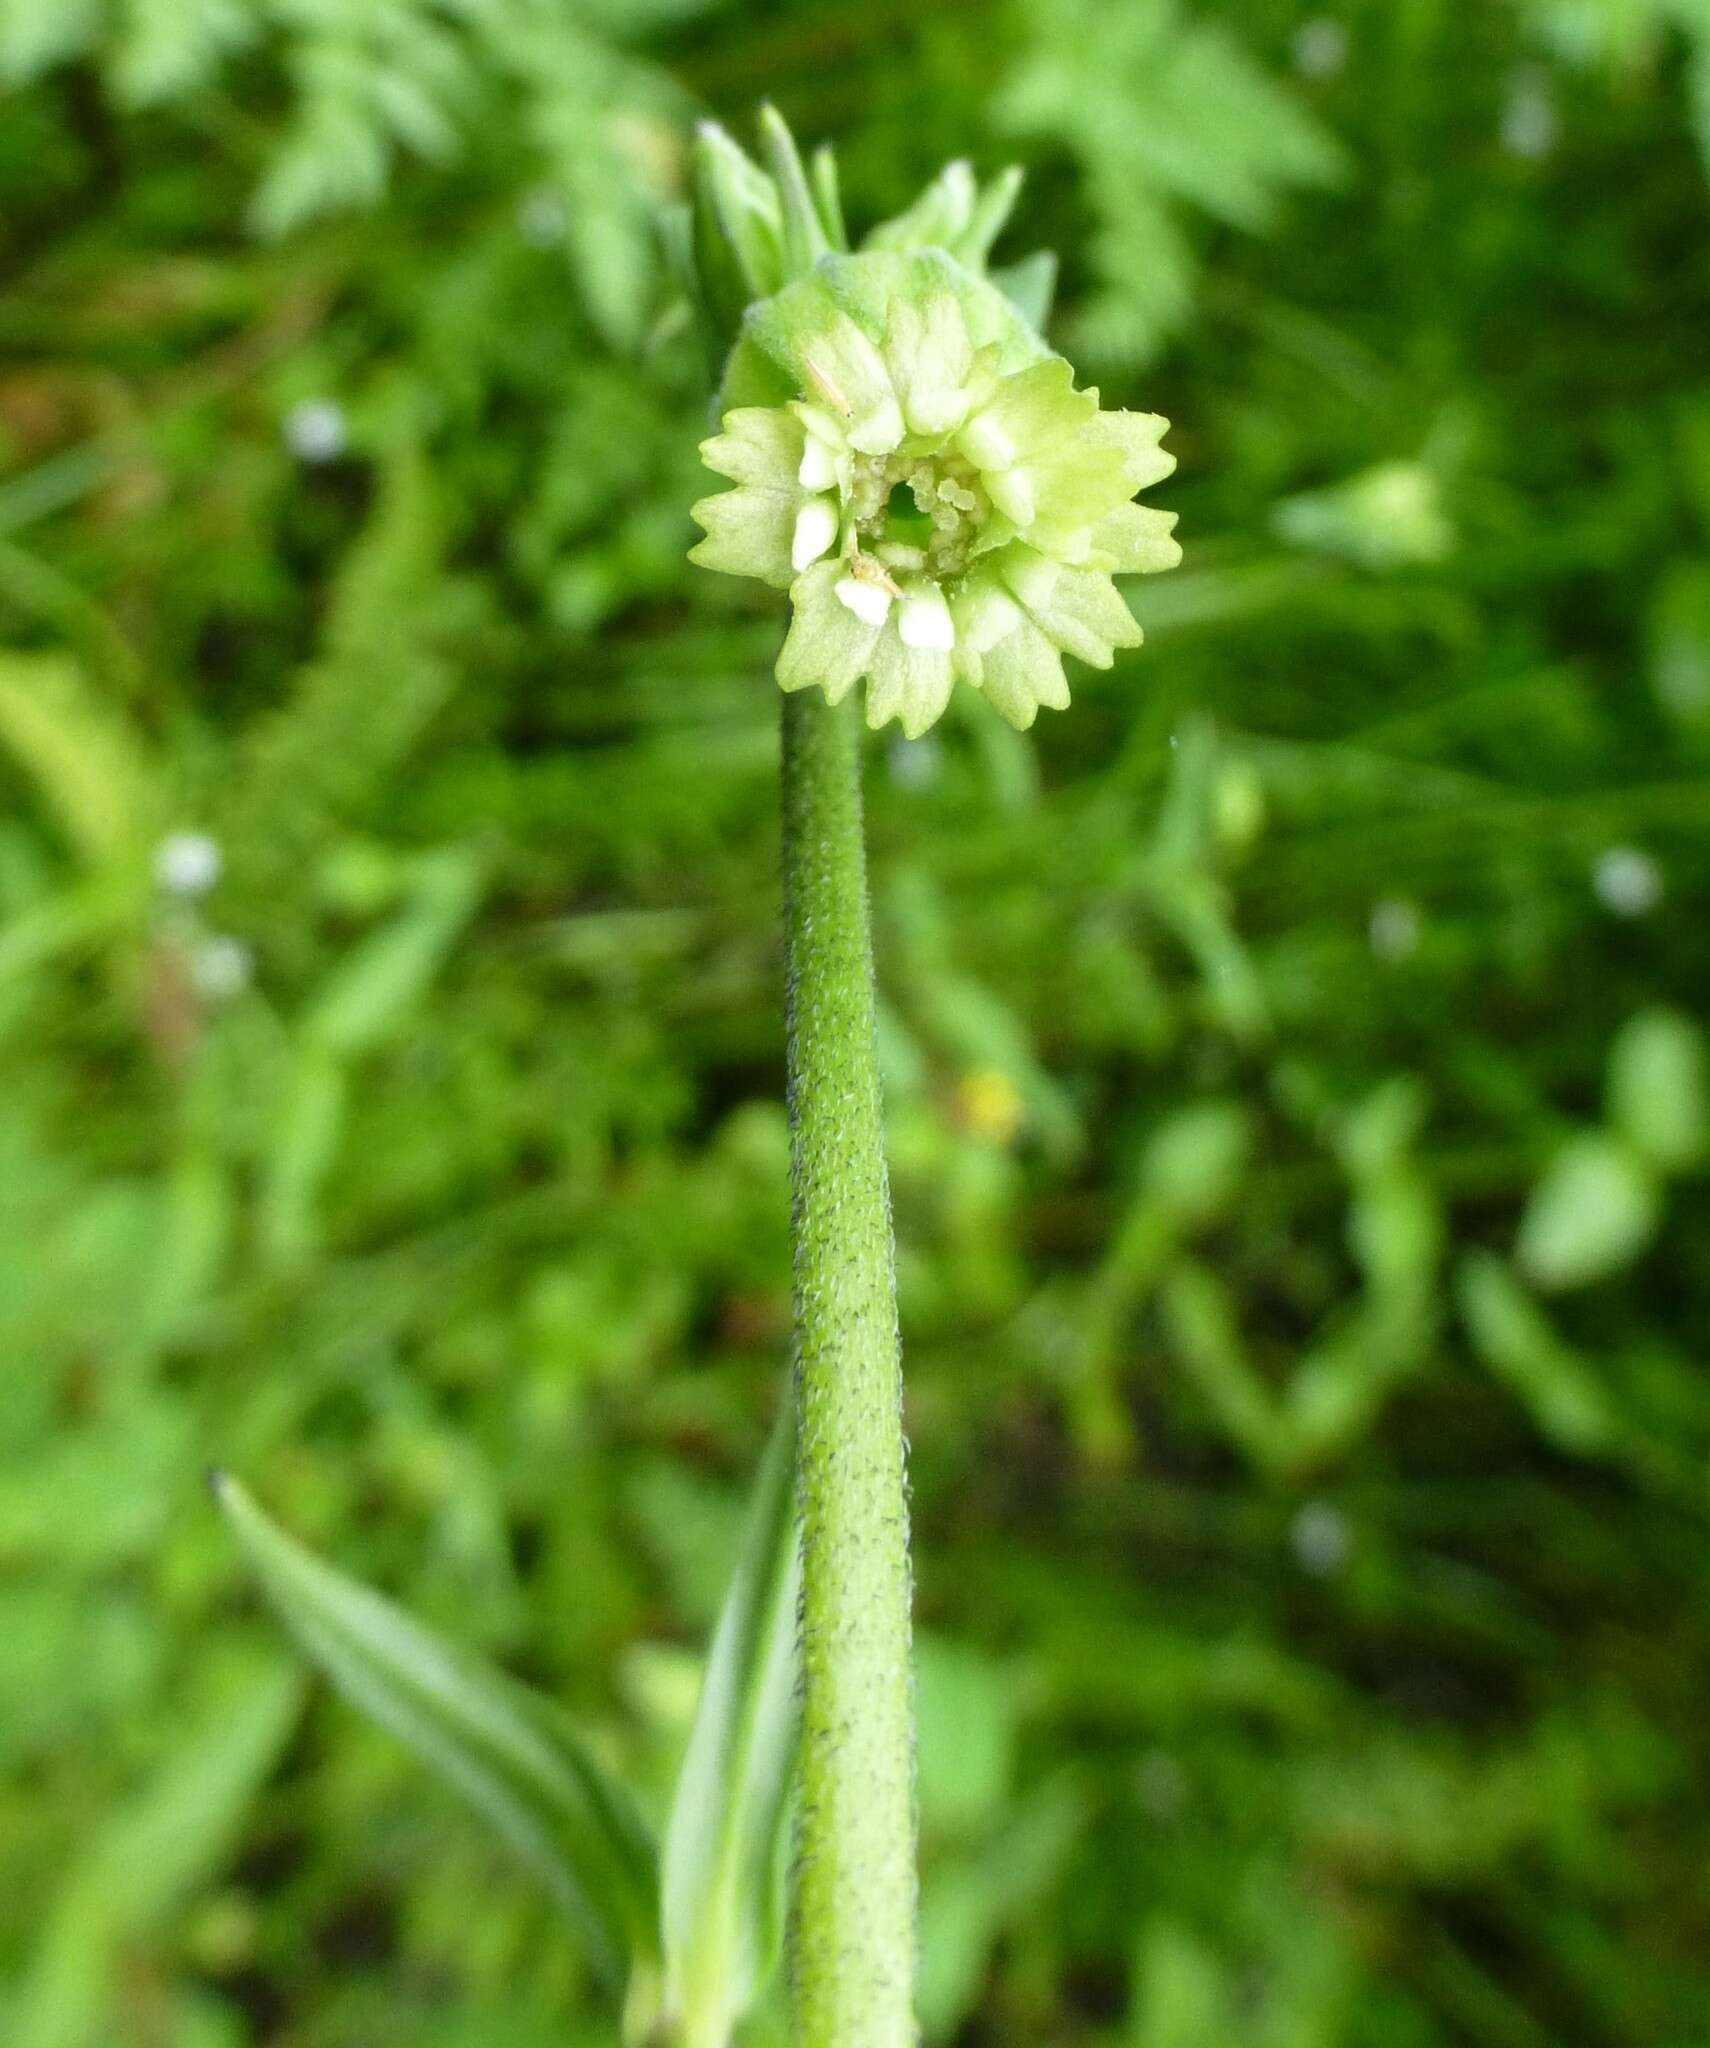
(1076, 486)
(941, 213)
(1135, 436)
(833, 362)
(1023, 671)
(827, 646)
(983, 611)
(757, 444)
(1080, 609)
(910, 684)
(1030, 413)
(847, 374)
(748, 533)
(870, 287)
(930, 357)
(1137, 540)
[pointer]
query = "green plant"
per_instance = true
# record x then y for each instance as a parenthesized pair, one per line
(917, 470)
(856, 384)
(1291, 960)
(686, 1932)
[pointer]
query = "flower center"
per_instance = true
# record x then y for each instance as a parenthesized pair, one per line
(919, 511)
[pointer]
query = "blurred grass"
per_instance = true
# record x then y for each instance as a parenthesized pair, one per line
(1294, 1054)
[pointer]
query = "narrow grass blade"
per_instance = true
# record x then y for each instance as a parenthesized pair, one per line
(722, 1857)
(512, 1754)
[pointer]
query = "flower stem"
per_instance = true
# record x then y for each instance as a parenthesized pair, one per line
(855, 1897)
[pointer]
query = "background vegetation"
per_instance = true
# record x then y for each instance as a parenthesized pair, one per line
(1296, 1092)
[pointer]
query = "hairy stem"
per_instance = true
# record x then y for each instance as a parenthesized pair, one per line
(855, 1896)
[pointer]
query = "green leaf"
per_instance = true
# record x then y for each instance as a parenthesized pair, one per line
(374, 990)
(174, 1834)
(1511, 1334)
(1195, 1161)
(965, 1710)
(513, 1755)
(1200, 1318)
(1183, 1996)
(1593, 1212)
(977, 1892)
(722, 1855)
(34, 38)
(1659, 1097)
(84, 758)
(1168, 116)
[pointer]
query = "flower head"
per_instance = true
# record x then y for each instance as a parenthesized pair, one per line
(908, 459)
(920, 474)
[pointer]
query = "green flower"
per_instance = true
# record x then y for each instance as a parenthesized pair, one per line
(919, 472)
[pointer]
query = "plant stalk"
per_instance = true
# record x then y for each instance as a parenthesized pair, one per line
(855, 1887)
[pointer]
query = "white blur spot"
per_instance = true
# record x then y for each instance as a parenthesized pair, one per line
(1530, 126)
(541, 217)
(1320, 47)
(220, 968)
(816, 529)
(870, 602)
(1627, 881)
(1321, 1540)
(316, 431)
(925, 621)
(187, 864)
(915, 764)
(1393, 931)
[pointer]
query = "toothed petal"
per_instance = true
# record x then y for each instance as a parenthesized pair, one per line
(1137, 540)
(749, 532)
(1021, 672)
(909, 684)
(756, 444)
(828, 646)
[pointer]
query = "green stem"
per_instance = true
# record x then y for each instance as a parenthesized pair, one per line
(855, 1895)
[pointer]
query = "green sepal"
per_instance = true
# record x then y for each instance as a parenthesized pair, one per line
(954, 214)
(828, 192)
(805, 237)
(1030, 285)
(738, 228)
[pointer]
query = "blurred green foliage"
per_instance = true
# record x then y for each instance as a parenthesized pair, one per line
(1295, 1054)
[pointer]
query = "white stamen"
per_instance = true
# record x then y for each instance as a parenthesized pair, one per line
(925, 621)
(870, 602)
(816, 529)
(818, 471)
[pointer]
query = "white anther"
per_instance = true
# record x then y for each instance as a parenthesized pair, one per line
(818, 471)
(816, 529)
(924, 620)
(870, 602)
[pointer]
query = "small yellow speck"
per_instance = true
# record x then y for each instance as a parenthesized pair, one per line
(988, 1104)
